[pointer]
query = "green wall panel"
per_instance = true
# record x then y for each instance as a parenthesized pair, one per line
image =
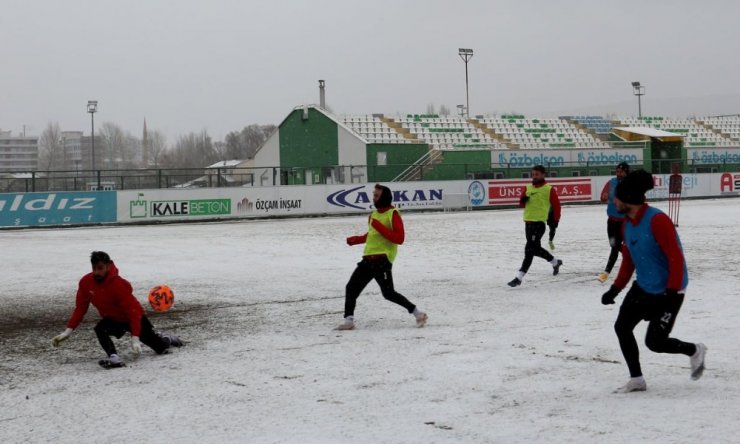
(398, 158)
(308, 143)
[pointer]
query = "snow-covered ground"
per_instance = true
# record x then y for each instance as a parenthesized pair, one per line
(256, 302)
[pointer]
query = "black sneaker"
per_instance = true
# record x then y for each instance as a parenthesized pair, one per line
(109, 364)
(515, 282)
(173, 340)
(556, 268)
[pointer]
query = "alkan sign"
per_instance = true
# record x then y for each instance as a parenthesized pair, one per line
(361, 198)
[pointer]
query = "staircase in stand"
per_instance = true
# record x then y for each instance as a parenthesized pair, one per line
(414, 172)
(404, 132)
(493, 134)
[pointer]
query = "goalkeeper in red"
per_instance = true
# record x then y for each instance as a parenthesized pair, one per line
(120, 311)
(653, 249)
(385, 233)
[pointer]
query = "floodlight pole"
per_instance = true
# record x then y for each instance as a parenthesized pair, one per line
(92, 108)
(466, 54)
(639, 91)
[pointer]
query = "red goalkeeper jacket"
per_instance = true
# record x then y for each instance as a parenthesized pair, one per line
(113, 298)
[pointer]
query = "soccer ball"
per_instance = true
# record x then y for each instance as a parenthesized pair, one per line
(161, 298)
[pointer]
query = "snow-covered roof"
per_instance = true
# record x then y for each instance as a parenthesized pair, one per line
(225, 163)
(646, 132)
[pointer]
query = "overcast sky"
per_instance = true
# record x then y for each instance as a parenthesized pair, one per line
(219, 65)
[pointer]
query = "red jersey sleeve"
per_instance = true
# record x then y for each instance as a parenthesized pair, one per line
(665, 235)
(82, 303)
(130, 305)
(625, 270)
(555, 204)
(396, 234)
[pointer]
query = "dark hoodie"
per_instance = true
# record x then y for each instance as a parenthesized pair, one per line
(113, 298)
(386, 198)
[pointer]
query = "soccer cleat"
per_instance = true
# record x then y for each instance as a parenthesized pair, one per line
(515, 282)
(697, 361)
(633, 385)
(347, 324)
(113, 361)
(556, 268)
(173, 340)
(421, 319)
(552, 245)
(603, 277)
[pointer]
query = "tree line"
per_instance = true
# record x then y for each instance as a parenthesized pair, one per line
(116, 148)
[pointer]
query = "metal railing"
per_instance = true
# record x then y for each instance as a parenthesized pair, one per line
(45, 181)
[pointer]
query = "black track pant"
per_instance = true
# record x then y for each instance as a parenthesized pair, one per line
(614, 231)
(661, 312)
(108, 327)
(534, 232)
(367, 270)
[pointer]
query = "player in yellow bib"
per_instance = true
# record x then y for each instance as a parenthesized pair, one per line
(537, 201)
(385, 233)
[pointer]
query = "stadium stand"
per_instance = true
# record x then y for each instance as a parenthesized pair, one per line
(598, 124)
(514, 131)
(374, 129)
(526, 133)
(448, 133)
(727, 126)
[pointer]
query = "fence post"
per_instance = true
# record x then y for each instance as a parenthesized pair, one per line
(98, 174)
(33, 181)
(159, 178)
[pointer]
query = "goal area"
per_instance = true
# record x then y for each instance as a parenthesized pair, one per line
(456, 202)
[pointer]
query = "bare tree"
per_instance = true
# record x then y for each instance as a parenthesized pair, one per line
(119, 148)
(157, 147)
(112, 141)
(245, 143)
(51, 156)
(192, 151)
(253, 136)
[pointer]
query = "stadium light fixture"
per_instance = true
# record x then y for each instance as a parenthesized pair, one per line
(92, 108)
(466, 54)
(639, 91)
(461, 110)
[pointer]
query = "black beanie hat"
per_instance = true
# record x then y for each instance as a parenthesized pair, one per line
(632, 189)
(386, 197)
(624, 166)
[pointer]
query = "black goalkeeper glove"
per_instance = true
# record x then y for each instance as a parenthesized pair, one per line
(608, 297)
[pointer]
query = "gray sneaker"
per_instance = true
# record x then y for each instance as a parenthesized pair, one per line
(421, 319)
(347, 324)
(113, 361)
(173, 340)
(633, 385)
(697, 361)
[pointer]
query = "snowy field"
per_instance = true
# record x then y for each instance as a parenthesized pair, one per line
(256, 302)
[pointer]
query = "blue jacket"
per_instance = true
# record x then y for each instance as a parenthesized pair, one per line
(649, 259)
(611, 207)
